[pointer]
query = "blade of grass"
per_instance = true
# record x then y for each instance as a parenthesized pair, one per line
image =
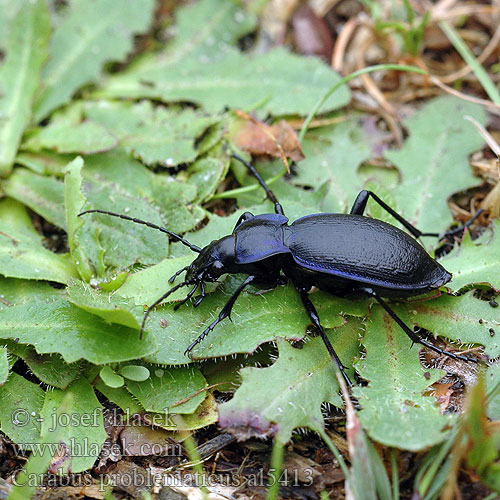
(108, 493)
(395, 475)
(429, 475)
(275, 470)
(468, 57)
(494, 146)
(336, 453)
(491, 496)
(437, 485)
(196, 463)
(348, 78)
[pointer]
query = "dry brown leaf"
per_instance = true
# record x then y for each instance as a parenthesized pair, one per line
(258, 138)
(311, 34)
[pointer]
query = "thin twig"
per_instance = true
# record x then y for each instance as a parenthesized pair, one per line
(492, 107)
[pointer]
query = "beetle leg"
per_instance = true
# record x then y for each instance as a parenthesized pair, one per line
(225, 313)
(243, 217)
(459, 229)
(277, 206)
(313, 315)
(202, 291)
(359, 206)
(188, 296)
(414, 337)
(158, 302)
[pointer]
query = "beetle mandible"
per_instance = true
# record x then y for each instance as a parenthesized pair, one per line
(346, 255)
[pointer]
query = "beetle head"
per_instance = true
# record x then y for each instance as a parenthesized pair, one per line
(213, 261)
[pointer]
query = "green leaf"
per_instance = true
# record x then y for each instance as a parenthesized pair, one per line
(26, 52)
(174, 390)
(4, 365)
(149, 284)
(277, 82)
(177, 202)
(118, 183)
(121, 397)
(207, 29)
(135, 372)
(15, 291)
(206, 174)
(374, 209)
(49, 368)
(302, 380)
(74, 200)
(114, 310)
(474, 64)
(475, 262)
(95, 249)
(44, 195)
(464, 319)
(8, 12)
(333, 154)
(114, 283)
(19, 411)
(45, 162)
(204, 415)
(86, 138)
(155, 135)
(54, 325)
(115, 181)
(92, 34)
(110, 378)
(394, 411)
(82, 427)
(433, 161)
(22, 254)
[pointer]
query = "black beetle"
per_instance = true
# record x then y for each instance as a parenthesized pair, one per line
(347, 255)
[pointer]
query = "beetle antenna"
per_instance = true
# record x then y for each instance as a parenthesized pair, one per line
(194, 248)
(157, 302)
(277, 205)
